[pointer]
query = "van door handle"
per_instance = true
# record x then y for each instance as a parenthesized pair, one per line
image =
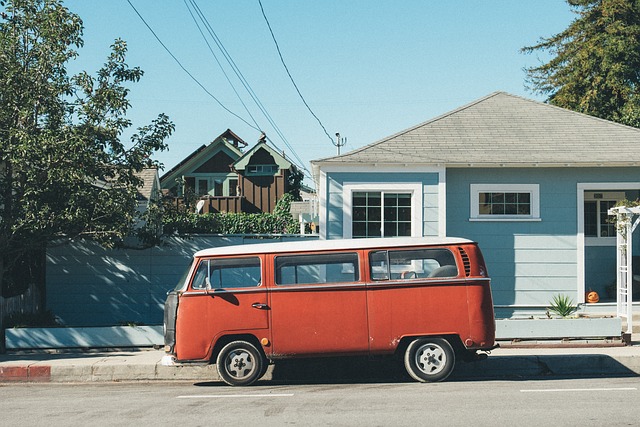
(259, 306)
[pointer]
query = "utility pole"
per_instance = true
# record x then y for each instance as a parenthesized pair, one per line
(340, 142)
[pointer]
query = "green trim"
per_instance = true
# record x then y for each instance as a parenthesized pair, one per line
(243, 162)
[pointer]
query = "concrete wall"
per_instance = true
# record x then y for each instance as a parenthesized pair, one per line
(88, 285)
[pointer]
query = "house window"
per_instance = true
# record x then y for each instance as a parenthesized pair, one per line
(218, 187)
(383, 209)
(596, 217)
(377, 214)
(505, 202)
(262, 169)
(203, 187)
(233, 187)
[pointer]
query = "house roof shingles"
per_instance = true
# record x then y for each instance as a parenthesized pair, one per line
(506, 130)
(228, 136)
(148, 177)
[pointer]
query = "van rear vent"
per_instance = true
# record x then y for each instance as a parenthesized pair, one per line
(466, 262)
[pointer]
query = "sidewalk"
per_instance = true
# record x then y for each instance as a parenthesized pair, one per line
(145, 365)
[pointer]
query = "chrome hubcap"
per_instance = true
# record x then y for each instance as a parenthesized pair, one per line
(240, 364)
(431, 359)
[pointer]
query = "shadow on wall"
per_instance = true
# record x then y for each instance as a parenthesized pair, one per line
(88, 285)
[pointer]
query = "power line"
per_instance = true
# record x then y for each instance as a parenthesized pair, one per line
(187, 71)
(289, 74)
(246, 84)
(230, 61)
(219, 64)
(238, 74)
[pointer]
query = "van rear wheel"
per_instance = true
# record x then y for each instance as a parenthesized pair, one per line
(429, 359)
(240, 363)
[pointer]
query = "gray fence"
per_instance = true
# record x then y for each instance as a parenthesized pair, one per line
(88, 285)
(28, 302)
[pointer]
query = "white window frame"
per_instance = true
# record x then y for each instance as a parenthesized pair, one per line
(600, 240)
(532, 189)
(583, 187)
(262, 170)
(415, 189)
(211, 178)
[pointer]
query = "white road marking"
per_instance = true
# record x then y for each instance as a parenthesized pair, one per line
(564, 390)
(222, 396)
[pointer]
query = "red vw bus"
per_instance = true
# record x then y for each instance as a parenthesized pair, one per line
(241, 307)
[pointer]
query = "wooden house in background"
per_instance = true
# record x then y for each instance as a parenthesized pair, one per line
(230, 180)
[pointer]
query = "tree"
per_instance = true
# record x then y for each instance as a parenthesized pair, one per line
(595, 64)
(295, 179)
(64, 170)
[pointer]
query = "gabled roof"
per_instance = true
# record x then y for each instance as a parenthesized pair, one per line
(280, 160)
(149, 177)
(227, 139)
(503, 130)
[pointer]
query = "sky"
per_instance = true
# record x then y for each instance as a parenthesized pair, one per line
(366, 68)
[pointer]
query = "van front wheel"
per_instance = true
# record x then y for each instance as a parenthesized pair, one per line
(429, 359)
(240, 363)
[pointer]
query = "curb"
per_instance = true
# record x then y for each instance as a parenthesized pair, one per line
(25, 374)
(125, 368)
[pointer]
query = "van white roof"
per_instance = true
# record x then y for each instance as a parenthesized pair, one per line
(338, 244)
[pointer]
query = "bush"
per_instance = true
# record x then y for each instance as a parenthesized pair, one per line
(182, 222)
(563, 306)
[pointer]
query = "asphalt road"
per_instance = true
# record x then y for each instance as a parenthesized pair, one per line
(584, 402)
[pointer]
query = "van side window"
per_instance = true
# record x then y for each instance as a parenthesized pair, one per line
(317, 269)
(379, 265)
(227, 273)
(412, 264)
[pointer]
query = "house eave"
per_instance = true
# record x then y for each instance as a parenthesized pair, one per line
(543, 164)
(346, 165)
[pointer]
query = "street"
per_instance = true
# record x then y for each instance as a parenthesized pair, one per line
(586, 402)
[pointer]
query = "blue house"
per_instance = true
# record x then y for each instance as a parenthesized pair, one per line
(529, 181)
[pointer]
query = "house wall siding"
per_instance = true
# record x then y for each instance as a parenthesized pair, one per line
(262, 193)
(529, 262)
(88, 285)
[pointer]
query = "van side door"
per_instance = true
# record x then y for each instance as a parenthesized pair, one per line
(225, 296)
(318, 304)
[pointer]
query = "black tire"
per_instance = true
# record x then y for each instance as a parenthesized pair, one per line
(429, 359)
(240, 363)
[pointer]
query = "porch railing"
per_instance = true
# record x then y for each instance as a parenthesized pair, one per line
(218, 204)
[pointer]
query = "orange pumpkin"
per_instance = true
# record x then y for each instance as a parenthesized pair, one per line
(592, 297)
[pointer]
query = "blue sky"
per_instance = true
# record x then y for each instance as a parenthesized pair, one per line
(368, 69)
